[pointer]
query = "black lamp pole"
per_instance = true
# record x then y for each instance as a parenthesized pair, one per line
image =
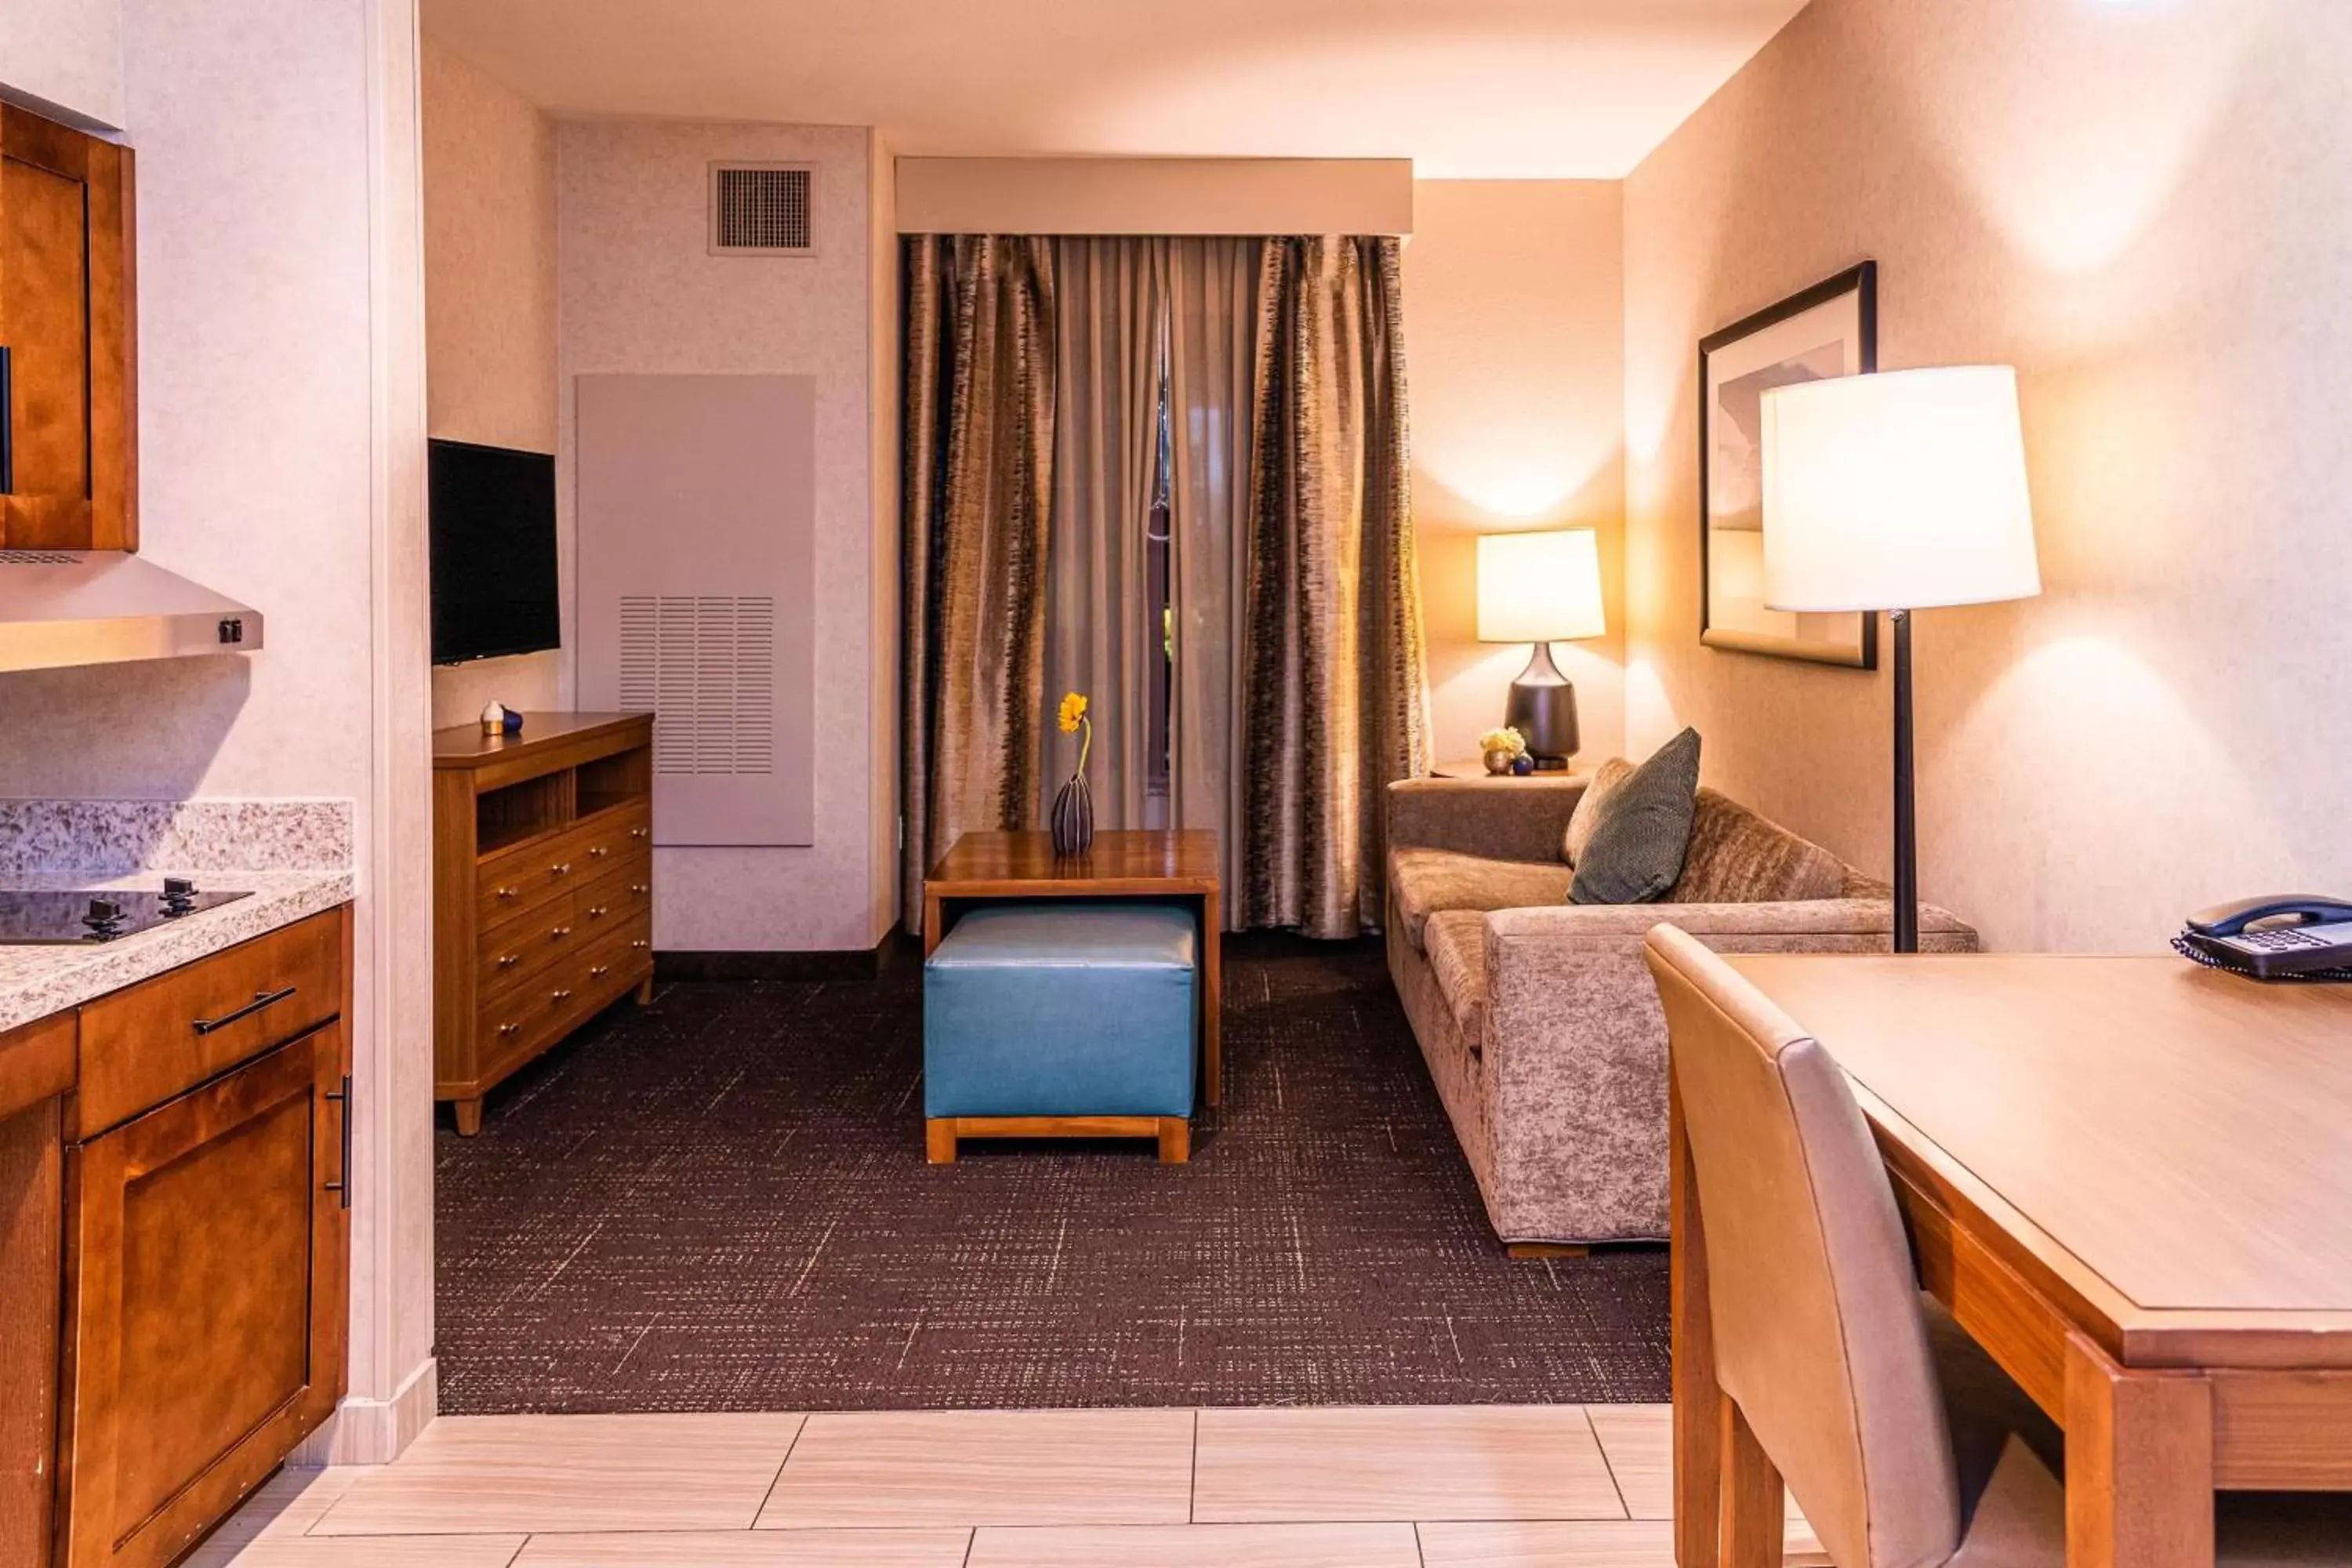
(1907, 831)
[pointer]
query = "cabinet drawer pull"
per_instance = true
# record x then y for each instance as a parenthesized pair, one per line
(598, 911)
(506, 1029)
(260, 999)
(509, 959)
(636, 832)
(640, 942)
(561, 932)
(563, 995)
(639, 887)
(598, 853)
(343, 1187)
(563, 869)
(599, 972)
(506, 892)
(8, 427)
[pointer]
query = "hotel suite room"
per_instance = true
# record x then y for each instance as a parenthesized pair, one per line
(1702, 631)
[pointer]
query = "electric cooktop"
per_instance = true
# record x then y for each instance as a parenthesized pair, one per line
(83, 916)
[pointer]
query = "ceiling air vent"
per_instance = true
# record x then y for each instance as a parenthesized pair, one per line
(763, 209)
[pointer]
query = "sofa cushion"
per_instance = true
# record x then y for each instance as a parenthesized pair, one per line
(1589, 806)
(1424, 882)
(1738, 857)
(1637, 851)
(1456, 945)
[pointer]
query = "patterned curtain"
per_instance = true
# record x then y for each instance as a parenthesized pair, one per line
(979, 483)
(1335, 694)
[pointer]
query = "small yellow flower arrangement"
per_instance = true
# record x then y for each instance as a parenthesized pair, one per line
(1501, 748)
(1072, 820)
(1073, 718)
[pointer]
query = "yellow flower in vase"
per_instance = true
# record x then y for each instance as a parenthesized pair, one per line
(1073, 718)
(1073, 818)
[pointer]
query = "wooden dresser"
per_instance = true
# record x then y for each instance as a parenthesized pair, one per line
(542, 889)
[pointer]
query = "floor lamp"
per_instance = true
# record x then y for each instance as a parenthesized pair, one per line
(1900, 491)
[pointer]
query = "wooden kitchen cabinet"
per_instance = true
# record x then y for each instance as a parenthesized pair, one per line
(175, 1226)
(37, 1066)
(68, 473)
(205, 1311)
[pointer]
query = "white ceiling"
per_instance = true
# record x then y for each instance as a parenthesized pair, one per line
(1467, 88)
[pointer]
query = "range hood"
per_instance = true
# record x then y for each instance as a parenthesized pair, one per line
(102, 606)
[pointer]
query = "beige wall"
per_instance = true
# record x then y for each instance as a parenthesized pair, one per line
(1154, 195)
(490, 313)
(1513, 339)
(641, 293)
(64, 57)
(2144, 209)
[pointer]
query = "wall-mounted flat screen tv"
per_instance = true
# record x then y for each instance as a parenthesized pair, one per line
(493, 539)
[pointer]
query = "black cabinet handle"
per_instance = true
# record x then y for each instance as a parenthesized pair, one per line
(260, 999)
(7, 426)
(344, 1099)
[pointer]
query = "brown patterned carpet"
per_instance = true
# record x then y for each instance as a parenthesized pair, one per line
(721, 1203)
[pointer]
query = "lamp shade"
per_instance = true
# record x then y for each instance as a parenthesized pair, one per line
(1540, 587)
(1896, 492)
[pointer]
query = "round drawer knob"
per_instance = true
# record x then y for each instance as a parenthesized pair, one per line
(509, 959)
(505, 1029)
(562, 996)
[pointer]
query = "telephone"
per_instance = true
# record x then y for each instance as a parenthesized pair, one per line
(2283, 937)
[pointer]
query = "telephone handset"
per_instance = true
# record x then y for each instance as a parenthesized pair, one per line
(2291, 936)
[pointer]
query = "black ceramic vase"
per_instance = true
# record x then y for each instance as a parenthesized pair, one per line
(1073, 818)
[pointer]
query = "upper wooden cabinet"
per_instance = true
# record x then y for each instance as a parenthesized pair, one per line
(68, 467)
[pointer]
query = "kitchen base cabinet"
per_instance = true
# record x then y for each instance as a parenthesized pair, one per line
(31, 1177)
(205, 1311)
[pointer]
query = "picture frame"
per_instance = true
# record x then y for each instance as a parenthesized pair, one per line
(1830, 329)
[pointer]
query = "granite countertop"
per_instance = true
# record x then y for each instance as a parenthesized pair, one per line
(293, 855)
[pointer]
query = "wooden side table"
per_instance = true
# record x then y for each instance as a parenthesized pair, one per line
(1125, 864)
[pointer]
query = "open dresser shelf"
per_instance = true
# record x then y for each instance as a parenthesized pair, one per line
(542, 889)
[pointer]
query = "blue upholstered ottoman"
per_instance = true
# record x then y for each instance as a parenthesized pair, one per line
(1064, 1020)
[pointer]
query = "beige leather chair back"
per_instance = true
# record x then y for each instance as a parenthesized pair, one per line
(1818, 1332)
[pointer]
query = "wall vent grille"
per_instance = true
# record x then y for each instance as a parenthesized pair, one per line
(705, 667)
(38, 558)
(763, 209)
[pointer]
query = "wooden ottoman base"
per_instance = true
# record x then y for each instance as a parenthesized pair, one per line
(1174, 1133)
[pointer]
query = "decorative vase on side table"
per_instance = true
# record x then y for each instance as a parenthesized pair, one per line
(1073, 822)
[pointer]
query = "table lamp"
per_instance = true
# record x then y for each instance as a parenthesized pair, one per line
(1540, 588)
(1899, 491)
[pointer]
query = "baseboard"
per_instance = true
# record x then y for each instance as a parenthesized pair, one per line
(364, 1431)
(851, 963)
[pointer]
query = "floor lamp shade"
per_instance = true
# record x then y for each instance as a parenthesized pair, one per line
(1897, 491)
(1541, 588)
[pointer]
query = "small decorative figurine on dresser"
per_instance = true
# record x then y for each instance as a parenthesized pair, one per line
(1074, 808)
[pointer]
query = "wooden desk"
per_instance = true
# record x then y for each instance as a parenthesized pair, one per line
(2129, 1180)
(1123, 864)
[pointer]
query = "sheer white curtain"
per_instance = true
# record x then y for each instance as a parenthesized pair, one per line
(1211, 359)
(1101, 628)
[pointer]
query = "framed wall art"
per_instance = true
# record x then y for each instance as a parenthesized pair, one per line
(1829, 329)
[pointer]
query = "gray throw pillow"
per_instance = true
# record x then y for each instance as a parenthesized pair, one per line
(1591, 806)
(1636, 850)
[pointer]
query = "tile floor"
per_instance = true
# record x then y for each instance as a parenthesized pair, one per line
(1389, 1486)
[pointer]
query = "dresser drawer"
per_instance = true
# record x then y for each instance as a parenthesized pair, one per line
(614, 898)
(618, 960)
(554, 1001)
(614, 836)
(531, 874)
(141, 1047)
(528, 942)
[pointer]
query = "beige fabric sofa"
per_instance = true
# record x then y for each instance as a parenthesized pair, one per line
(1539, 1023)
